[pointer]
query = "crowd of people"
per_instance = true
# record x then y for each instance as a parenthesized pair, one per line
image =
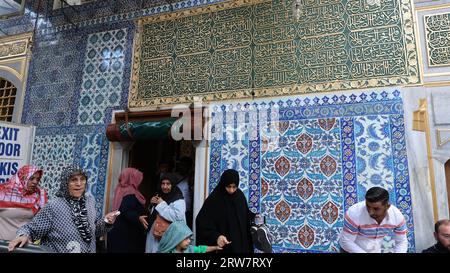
(70, 223)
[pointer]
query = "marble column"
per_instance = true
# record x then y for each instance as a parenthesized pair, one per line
(421, 195)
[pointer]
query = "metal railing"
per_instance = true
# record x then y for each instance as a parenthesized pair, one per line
(28, 248)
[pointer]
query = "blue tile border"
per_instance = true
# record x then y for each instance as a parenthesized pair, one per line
(401, 181)
(349, 168)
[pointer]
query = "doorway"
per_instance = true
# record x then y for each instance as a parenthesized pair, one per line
(147, 155)
(447, 179)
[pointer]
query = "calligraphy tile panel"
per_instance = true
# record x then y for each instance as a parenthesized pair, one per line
(303, 161)
(437, 27)
(256, 48)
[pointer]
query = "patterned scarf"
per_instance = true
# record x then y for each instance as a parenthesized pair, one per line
(13, 194)
(80, 217)
(77, 206)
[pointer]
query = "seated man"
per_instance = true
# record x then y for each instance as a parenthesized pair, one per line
(366, 224)
(442, 235)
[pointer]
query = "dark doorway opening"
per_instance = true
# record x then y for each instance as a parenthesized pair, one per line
(447, 179)
(153, 144)
(147, 155)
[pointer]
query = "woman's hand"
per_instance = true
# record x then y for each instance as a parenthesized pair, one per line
(110, 218)
(156, 200)
(213, 248)
(222, 241)
(21, 241)
(143, 220)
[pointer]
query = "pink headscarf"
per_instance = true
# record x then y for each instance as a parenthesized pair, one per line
(13, 194)
(129, 181)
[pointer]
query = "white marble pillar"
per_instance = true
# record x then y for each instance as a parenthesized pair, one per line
(201, 176)
(439, 159)
(422, 202)
(201, 166)
(418, 171)
(118, 158)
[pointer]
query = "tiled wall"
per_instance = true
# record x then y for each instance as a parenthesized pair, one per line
(241, 49)
(433, 24)
(78, 74)
(312, 160)
(76, 80)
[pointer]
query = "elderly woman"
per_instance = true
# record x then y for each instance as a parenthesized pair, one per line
(169, 204)
(68, 222)
(20, 199)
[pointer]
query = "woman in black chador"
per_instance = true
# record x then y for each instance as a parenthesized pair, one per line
(225, 219)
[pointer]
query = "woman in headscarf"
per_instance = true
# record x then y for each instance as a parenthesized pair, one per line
(224, 218)
(20, 199)
(169, 204)
(68, 223)
(128, 235)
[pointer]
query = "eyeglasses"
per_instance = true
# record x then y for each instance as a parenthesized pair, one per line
(73, 182)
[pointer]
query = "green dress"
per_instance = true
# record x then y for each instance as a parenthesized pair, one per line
(193, 249)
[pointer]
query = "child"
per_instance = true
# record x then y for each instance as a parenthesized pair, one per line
(177, 239)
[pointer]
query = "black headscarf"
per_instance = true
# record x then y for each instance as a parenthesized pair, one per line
(225, 214)
(77, 205)
(174, 195)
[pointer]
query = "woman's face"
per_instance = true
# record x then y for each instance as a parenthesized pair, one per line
(166, 186)
(77, 185)
(33, 182)
(231, 188)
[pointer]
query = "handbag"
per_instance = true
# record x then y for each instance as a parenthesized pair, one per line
(160, 226)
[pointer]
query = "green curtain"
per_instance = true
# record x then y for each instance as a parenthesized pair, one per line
(142, 130)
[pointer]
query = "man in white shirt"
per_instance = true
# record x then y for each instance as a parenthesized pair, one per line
(366, 224)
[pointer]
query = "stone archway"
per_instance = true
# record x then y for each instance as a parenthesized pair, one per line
(14, 60)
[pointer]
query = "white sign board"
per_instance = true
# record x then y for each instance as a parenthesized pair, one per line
(16, 144)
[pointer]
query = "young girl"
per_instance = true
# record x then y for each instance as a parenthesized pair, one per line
(177, 239)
